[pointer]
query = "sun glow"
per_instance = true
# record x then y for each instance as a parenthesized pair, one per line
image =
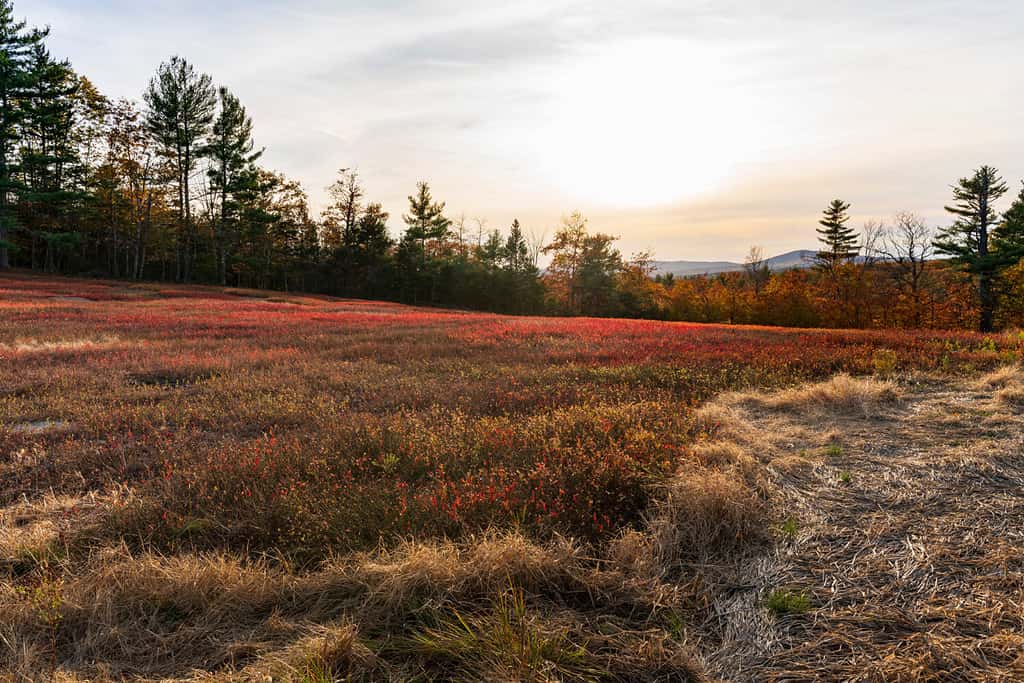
(644, 124)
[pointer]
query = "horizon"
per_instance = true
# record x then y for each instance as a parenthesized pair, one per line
(530, 112)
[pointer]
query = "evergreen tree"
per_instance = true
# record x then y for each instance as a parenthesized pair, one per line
(1008, 238)
(425, 220)
(370, 245)
(232, 154)
(600, 264)
(516, 254)
(180, 109)
(50, 166)
(371, 233)
(425, 224)
(968, 239)
(16, 44)
(491, 251)
(840, 240)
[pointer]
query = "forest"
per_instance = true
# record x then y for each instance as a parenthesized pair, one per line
(171, 188)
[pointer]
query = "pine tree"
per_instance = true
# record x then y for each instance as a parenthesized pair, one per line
(491, 251)
(50, 167)
(840, 240)
(180, 109)
(525, 292)
(371, 244)
(968, 239)
(1008, 238)
(425, 223)
(16, 43)
(516, 252)
(425, 220)
(232, 152)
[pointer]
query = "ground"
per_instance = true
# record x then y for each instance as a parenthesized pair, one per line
(905, 534)
(200, 483)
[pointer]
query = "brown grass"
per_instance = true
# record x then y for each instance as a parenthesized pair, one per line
(707, 514)
(841, 395)
(932, 533)
(144, 615)
(1012, 396)
(999, 379)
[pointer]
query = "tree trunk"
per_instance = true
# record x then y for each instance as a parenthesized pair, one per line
(987, 300)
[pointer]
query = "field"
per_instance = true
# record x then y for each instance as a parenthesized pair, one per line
(199, 484)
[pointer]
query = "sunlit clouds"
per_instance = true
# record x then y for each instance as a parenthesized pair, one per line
(692, 128)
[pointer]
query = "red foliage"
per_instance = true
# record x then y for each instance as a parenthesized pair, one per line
(307, 424)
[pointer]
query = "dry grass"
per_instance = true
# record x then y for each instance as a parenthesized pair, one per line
(1001, 378)
(501, 608)
(707, 513)
(930, 521)
(693, 585)
(1012, 396)
(60, 345)
(720, 419)
(1006, 386)
(841, 395)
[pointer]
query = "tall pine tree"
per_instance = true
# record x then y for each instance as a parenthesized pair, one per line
(232, 154)
(180, 109)
(53, 180)
(968, 239)
(516, 252)
(16, 43)
(1008, 238)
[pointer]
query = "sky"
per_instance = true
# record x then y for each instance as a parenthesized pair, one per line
(692, 129)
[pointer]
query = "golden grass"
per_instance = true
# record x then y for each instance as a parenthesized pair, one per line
(707, 513)
(841, 395)
(1007, 385)
(1004, 376)
(47, 346)
(719, 420)
(144, 615)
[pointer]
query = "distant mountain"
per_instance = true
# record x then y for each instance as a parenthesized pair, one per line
(792, 259)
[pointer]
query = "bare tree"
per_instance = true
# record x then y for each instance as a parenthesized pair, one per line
(861, 272)
(459, 228)
(536, 245)
(756, 268)
(871, 238)
(481, 229)
(908, 245)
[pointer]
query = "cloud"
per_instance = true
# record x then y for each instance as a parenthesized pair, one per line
(885, 103)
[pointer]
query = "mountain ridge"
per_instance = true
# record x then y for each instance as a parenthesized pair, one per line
(800, 258)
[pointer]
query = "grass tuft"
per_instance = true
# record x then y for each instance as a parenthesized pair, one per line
(785, 601)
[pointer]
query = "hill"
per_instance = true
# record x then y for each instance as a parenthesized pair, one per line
(792, 259)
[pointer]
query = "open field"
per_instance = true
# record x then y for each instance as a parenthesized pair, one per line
(198, 483)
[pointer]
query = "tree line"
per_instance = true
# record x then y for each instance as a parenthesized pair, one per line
(172, 189)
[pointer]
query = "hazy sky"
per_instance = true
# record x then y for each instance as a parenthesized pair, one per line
(695, 129)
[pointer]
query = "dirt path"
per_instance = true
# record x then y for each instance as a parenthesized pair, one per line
(906, 535)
